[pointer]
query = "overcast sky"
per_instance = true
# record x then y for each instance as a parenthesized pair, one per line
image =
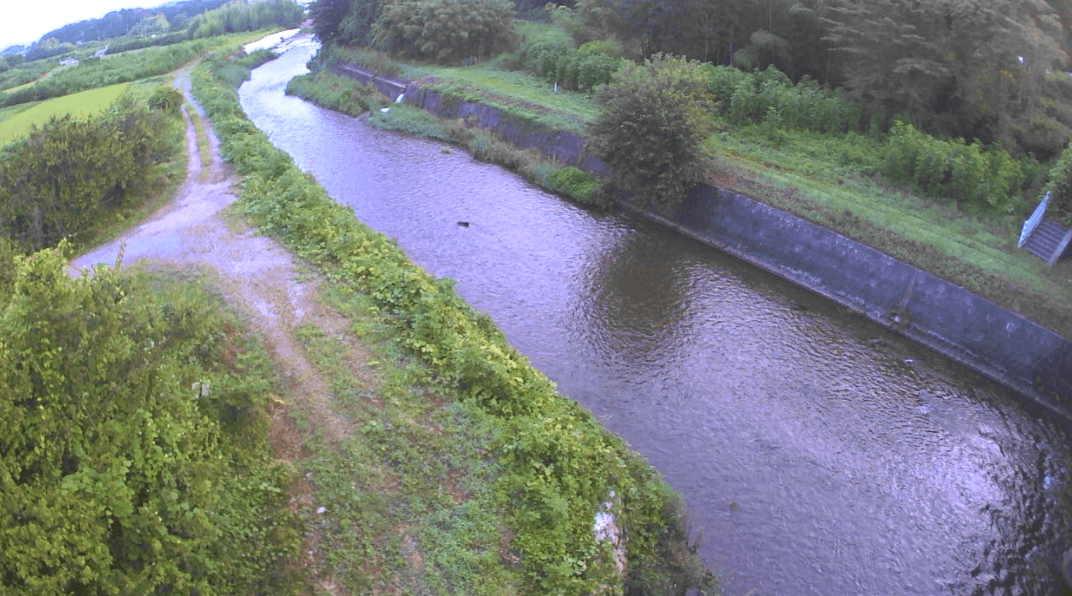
(25, 21)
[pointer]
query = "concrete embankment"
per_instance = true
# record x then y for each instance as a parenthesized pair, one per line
(972, 330)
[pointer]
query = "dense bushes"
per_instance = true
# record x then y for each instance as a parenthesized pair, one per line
(560, 462)
(1059, 185)
(236, 17)
(337, 93)
(652, 128)
(769, 96)
(447, 31)
(952, 169)
(69, 176)
(579, 69)
(132, 441)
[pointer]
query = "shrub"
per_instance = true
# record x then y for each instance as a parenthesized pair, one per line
(574, 183)
(952, 169)
(67, 177)
(117, 474)
(652, 127)
(575, 69)
(1059, 185)
(745, 97)
(167, 99)
(447, 31)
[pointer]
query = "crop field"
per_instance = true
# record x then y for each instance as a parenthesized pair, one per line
(16, 124)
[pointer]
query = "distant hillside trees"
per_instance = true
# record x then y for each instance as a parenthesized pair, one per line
(242, 15)
(122, 22)
(447, 31)
(47, 49)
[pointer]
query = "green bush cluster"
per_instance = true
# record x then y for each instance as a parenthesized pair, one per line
(652, 128)
(975, 178)
(1059, 186)
(561, 463)
(446, 31)
(235, 17)
(133, 444)
(579, 69)
(574, 183)
(341, 94)
(238, 68)
(769, 96)
(67, 178)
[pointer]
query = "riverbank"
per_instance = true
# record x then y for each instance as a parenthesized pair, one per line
(549, 466)
(995, 341)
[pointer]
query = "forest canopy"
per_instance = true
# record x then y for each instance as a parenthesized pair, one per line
(989, 71)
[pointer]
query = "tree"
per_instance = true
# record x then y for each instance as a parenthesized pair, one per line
(652, 127)
(447, 31)
(956, 67)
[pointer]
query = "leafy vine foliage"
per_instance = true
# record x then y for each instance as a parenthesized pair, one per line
(132, 441)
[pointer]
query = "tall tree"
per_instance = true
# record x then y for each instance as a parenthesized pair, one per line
(956, 67)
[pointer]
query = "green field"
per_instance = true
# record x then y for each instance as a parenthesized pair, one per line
(85, 103)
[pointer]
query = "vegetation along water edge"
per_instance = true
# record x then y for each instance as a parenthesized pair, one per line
(559, 466)
(950, 207)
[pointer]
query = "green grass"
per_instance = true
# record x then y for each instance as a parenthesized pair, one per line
(408, 498)
(83, 104)
(831, 182)
(514, 92)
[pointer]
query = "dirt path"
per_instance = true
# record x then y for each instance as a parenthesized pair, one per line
(261, 278)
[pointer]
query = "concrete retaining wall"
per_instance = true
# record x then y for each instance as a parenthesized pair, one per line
(937, 313)
(976, 332)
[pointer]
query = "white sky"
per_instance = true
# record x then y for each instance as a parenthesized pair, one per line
(25, 21)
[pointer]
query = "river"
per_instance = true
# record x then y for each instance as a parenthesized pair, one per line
(817, 453)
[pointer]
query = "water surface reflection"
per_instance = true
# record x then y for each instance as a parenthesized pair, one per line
(819, 453)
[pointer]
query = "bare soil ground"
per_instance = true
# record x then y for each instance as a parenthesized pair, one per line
(194, 235)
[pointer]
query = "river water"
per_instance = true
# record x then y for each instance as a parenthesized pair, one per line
(817, 453)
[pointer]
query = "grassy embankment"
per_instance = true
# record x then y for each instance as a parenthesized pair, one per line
(828, 179)
(459, 468)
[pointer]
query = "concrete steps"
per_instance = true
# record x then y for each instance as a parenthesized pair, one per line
(1046, 239)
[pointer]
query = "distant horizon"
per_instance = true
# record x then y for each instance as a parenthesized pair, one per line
(27, 22)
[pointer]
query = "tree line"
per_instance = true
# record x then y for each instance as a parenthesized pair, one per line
(992, 72)
(137, 28)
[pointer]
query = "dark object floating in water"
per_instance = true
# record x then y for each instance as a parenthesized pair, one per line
(463, 224)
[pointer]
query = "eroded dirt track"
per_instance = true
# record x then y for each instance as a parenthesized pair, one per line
(192, 235)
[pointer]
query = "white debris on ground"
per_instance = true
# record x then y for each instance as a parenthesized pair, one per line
(606, 528)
